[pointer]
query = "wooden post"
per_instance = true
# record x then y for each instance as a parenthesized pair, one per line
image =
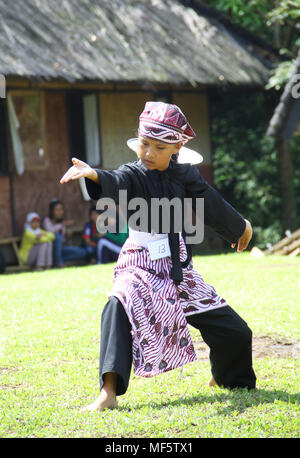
(288, 197)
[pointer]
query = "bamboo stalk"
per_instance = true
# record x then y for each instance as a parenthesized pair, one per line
(295, 252)
(291, 247)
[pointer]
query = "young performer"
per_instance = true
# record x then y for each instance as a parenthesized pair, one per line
(153, 299)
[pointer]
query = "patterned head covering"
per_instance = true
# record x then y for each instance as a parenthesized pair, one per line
(164, 122)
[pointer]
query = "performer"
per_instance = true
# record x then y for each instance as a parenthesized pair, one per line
(153, 300)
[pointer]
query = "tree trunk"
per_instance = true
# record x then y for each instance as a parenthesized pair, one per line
(288, 197)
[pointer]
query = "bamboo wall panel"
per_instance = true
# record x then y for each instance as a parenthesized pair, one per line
(119, 121)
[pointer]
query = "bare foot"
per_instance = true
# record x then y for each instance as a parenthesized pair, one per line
(104, 401)
(212, 382)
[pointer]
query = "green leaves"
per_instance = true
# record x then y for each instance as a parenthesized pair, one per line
(246, 164)
(280, 75)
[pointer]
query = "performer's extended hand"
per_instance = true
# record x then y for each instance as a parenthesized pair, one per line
(78, 170)
(245, 237)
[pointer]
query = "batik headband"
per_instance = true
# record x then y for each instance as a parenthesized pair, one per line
(164, 122)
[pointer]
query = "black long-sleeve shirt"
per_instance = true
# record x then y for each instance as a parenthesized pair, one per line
(178, 180)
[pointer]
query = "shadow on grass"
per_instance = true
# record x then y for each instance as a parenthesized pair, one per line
(240, 400)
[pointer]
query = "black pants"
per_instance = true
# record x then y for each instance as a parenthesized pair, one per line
(225, 332)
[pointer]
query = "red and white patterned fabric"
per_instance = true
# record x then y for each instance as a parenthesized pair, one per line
(157, 309)
(164, 122)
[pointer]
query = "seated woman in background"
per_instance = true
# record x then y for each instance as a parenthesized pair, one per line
(56, 224)
(36, 245)
(104, 246)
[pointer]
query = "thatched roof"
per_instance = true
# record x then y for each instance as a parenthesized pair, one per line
(165, 41)
(287, 113)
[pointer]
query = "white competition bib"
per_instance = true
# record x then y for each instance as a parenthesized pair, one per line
(159, 249)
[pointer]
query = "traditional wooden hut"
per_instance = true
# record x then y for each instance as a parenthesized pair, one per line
(78, 73)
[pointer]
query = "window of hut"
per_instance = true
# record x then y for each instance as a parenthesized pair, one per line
(84, 126)
(25, 110)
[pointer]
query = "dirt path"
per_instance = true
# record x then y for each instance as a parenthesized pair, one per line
(265, 346)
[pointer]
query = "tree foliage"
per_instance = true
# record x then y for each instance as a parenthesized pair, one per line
(275, 21)
(246, 163)
(245, 160)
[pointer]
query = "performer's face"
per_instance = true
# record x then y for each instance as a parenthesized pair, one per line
(156, 155)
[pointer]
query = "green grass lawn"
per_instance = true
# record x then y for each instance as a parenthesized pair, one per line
(49, 350)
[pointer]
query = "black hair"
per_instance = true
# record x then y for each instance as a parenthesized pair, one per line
(52, 206)
(174, 157)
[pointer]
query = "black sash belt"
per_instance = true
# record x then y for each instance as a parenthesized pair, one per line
(177, 265)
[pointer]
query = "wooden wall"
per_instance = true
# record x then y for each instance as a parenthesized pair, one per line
(5, 211)
(119, 122)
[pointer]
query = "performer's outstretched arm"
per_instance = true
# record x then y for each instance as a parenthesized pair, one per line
(80, 169)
